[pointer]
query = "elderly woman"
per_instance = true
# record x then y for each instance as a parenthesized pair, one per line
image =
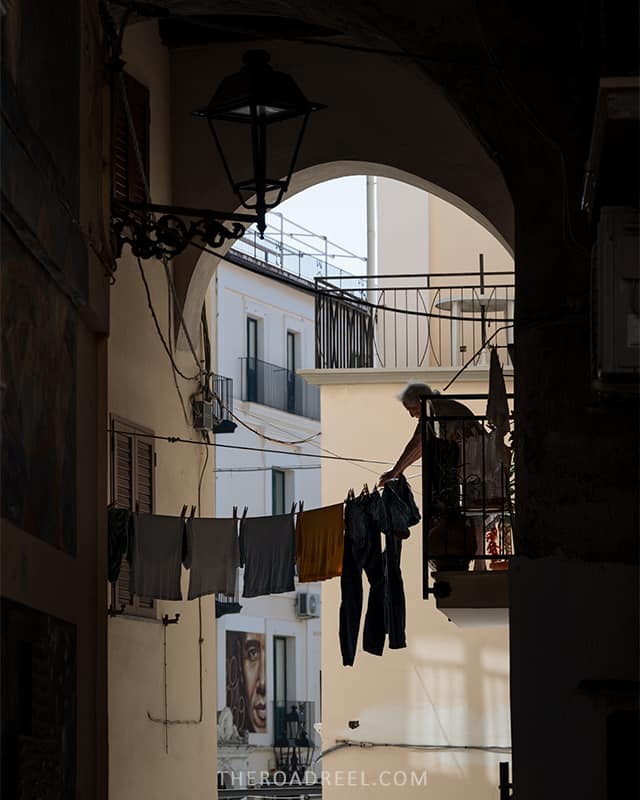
(455, 429)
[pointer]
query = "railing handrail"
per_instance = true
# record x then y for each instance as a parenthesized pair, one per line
(384, 275)
(279, 367)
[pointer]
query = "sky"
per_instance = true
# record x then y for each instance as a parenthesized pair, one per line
(336, 209)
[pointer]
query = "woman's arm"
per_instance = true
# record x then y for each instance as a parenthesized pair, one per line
(411, 453)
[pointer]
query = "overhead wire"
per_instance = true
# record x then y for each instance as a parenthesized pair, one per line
(182, 440)
(159, 330)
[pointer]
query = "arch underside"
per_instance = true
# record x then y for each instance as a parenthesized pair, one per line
(384, 117)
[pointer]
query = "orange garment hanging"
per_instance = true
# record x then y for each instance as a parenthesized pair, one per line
(320, 543)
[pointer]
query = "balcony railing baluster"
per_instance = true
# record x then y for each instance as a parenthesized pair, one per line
(452, 316)
(277, 387)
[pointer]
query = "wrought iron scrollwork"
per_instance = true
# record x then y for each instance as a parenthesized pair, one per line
(166, 236)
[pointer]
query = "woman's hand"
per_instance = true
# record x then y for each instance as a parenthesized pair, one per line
(387, 476)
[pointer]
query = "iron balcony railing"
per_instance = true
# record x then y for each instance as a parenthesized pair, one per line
(412, 321)
(279, 387)
(468, 489)
(298, 251)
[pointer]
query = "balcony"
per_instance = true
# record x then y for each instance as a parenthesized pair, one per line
(468, 482)
(278, 387)
(412, 321)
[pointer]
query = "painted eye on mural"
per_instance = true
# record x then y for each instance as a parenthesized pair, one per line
(252, 650)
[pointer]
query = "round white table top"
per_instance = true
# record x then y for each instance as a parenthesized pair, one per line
(475, 303)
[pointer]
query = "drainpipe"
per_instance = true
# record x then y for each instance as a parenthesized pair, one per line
(372, 237)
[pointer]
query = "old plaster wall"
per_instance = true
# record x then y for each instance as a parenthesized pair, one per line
(54, 317)
(141, 390)
(450, 686)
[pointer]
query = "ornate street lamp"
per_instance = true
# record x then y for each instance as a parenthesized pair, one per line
(293, 744)
(257, 98)
(251, 102)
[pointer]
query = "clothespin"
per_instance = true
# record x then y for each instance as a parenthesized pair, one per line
(301, 507)
(193, 512)
(244, 513)
(235, 512)
(293, 508)
(183, 512)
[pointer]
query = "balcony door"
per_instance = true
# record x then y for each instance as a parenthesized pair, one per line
(252, 359)
(291, 372)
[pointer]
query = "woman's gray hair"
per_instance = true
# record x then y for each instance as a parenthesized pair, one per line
(413, 391)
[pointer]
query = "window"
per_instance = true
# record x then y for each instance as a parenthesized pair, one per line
(132, 474)
(252, 359)
(127, 182)
(280, 670)
(283, 683)
(291, 371)
(278, 485)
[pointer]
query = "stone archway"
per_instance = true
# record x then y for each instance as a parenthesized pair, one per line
(204, 267)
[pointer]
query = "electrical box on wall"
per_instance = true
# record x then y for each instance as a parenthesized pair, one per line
(616, 301)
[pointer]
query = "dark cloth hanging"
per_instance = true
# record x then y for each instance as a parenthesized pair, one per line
(362, 551)
(400, 508)
(156, 563)
(212, 556)
(320, 543)
(267, 551)
(118, 531)
(395, 606)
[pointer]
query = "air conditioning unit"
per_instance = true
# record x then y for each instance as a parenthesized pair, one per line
(307, 605)
(204, 418)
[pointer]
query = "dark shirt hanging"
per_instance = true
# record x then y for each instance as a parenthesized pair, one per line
(267, 549)
(118, 524)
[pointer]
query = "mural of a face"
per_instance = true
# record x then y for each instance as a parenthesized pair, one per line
(247, 680)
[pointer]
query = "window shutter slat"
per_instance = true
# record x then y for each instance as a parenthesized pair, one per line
(127, 181)
(133, 489)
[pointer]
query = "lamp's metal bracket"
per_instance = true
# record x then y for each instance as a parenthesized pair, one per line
(167, 235)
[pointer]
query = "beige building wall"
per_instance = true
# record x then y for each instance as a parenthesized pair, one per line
(146, 758)
(422, 235)
(450, 687)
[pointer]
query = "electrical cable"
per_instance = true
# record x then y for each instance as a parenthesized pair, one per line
(179, 439)
(159, 330)
(437, 748)
(358, 301)
(265, 469)
(173, 371)
(476, 354)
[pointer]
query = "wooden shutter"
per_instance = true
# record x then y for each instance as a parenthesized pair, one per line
(127, 182)
(134, 488)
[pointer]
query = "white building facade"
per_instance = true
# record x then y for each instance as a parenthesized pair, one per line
(263, 331)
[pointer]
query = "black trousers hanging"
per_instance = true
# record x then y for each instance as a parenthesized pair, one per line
(386, 610)
(395, 607)
(362, 551)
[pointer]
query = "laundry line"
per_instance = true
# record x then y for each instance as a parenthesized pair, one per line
(202, 443)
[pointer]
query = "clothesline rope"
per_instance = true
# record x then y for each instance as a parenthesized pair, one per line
(200, 443)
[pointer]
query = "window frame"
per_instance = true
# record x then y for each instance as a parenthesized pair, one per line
(278, 472)
(138, 435)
